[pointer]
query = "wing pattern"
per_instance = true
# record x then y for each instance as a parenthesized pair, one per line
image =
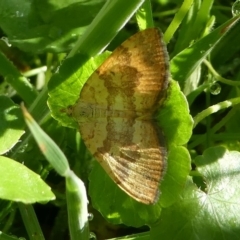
(115, 114)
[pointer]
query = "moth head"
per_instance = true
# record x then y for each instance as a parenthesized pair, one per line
(80, 111)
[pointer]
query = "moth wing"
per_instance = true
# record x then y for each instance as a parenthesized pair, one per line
(134, 76)
(131, 152)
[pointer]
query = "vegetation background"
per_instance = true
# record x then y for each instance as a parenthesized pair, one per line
(46, 55)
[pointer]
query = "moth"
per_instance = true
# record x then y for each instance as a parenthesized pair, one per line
(115, 113)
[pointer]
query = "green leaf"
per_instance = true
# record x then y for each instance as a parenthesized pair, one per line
(230, 45)
(65, 86)
(13, 77)
(178, 168)
(137, 236)
(20, 184)
(39, 26)
(8, 237)
(213, 214)
(194, 24)
(177, 20)
(112, 17)
(77, 207)
(11, 124)
(174, 116)
(187, 61)
(144, 16)
(48, 147)
(231, 136)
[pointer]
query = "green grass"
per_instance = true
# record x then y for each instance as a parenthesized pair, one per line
(54, 48)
